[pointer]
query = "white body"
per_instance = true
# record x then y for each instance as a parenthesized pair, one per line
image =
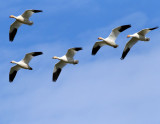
(110, 40)
(139, 36)
(24, 63)
(68, 58)
(21, 19)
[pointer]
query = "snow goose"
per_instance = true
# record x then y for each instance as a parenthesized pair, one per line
(135, 38)
(68, 58)
(21, 19)
(110, 40)
(22, 64)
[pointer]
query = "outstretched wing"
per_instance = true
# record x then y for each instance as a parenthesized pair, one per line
(97, 46)
(72, 51)
(29, 56)
(13, 30)
(57, 70)
(128, 46)
(145, 31)
(28, 13)
(115, 32)
(13, 72)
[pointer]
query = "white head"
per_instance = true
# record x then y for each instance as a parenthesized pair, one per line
(128, 36)
(14, 62)
(55, 57)
(12, 16)
(100, 38)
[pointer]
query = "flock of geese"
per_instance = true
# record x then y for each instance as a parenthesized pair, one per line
(69, 56)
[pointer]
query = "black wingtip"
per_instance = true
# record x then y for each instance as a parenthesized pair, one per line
(12, 76)
(93, 54)
(37, 11)
(30, 68)
(125, 53)
(12, 34)
(56, 75)
(154, 28)
(121, 58)
(37, 53)
(54, 80)
(124, 27)
(11, 39)
(10, 81)
(95, 50)
(77, 48)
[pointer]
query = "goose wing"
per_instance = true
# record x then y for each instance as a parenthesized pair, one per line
(13, 72)
(57, 70)
(29, 56)
(28, 13)
(115, 32)
(145, 31)
(13, 30)
(72, 51)
(128, 46)
(97, 46)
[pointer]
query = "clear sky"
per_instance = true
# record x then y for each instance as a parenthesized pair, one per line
(101, 89)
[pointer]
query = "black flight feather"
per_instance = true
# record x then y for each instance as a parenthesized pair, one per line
(56, 74)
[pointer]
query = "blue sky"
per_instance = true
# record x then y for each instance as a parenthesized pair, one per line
(100, 89)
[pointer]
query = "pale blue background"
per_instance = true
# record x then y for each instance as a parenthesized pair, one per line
(101, 89)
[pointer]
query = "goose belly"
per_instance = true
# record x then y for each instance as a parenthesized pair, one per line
(110, 43)
(23, 65)
(67, 59)
(20, 19)
(23, 20)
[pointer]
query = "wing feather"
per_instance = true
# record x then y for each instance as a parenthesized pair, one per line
(13, 72)
(116, 31)
(128, 46)
(145, 31)
(72, 51)
(57, 70)
(13, 30)
(28, 13)
(97, 46)
(29, 56)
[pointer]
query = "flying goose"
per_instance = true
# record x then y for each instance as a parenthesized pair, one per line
(21, 19)
(68, 58)
(22, 64)
(135, 38)
(110, 40)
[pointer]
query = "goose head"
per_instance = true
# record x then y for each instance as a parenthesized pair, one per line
(13, 62)
(55, 57)
(12, 16)
(128, 36)
(100, 38)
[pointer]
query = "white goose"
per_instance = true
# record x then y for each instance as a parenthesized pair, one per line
(21, 19)
(110, 40)
(68, 58)
(135, 38)
(22, 64)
